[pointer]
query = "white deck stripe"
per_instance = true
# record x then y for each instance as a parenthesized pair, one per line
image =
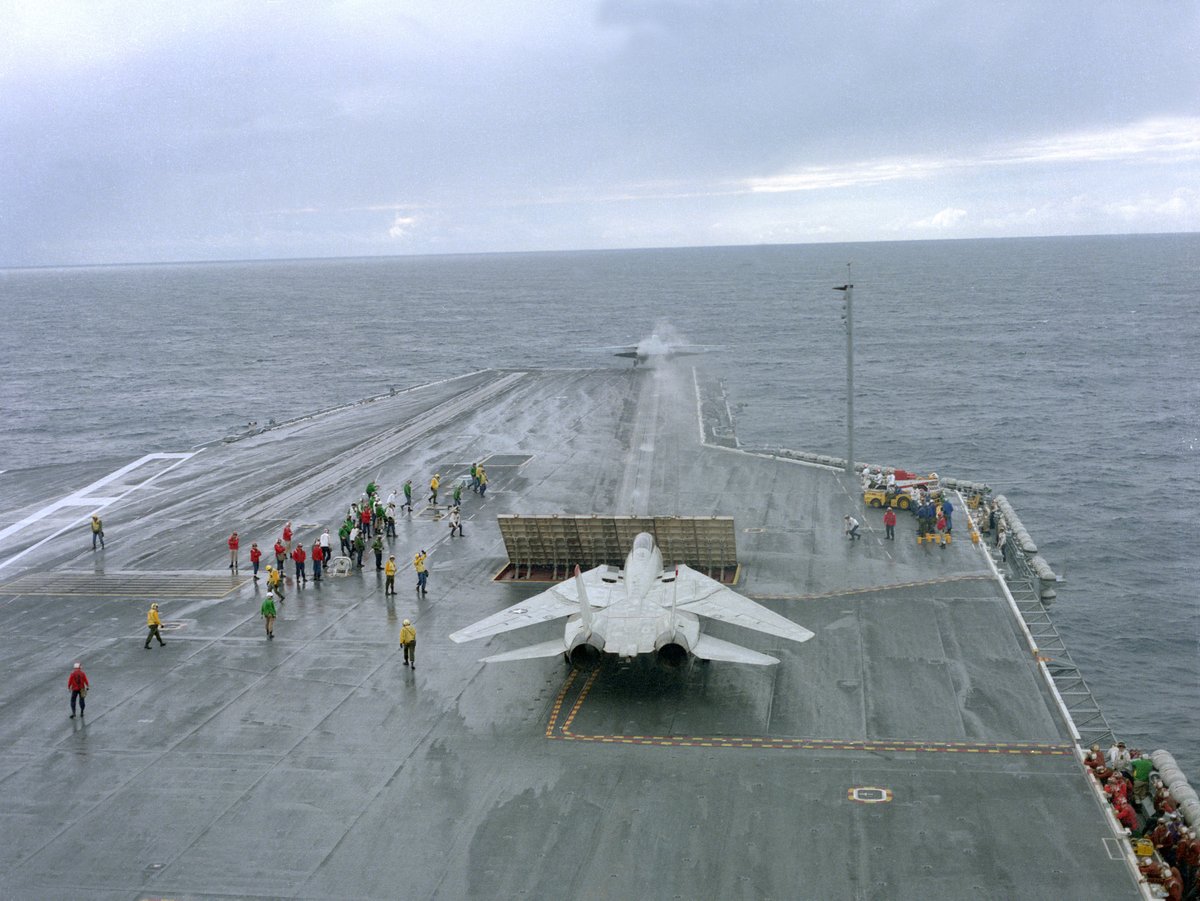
(93, 504)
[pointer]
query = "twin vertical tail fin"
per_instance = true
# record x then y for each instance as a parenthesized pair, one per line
(585, 606)
(674, 603)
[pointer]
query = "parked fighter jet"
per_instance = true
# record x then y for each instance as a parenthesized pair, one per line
(641, 609)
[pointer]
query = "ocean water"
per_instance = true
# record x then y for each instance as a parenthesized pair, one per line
(1061, 371)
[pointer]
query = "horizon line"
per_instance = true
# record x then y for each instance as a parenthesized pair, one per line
(478, 253)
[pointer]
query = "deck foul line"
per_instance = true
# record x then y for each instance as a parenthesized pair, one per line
(563, 732)
(128, 586)
(973, 577)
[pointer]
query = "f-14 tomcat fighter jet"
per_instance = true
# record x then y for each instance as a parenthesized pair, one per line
(641, 609)
(656, 348)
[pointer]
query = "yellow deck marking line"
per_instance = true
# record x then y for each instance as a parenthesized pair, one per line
(66, 591)
(564, 733)
(692, 742)
(587, 686)
(837, 594)
(558, 701)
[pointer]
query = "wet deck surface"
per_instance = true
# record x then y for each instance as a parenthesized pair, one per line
(317, 766)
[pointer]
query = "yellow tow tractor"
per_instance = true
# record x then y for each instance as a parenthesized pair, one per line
(879, 497)
(900, 496)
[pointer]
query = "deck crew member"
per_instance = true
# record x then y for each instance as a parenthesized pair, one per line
(152, 623)
(889, 524)
(268, 612)
(389, 576)
(318, 557)
(97, 532)
(275, 581)
(233, 551)
(1118, 757)
(851, 527)
(419, 567)
(77, 682)
(434, 484)
(299, 558)
(408, 641)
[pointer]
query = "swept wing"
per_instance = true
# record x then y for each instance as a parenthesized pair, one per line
(707, 597)
(554, 603)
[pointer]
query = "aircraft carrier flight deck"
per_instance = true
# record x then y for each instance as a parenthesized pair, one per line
(909, 750)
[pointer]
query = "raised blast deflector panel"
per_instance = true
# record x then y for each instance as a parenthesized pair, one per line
(555, 541)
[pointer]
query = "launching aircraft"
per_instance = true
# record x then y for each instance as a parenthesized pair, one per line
(642, 609)
(655, 347)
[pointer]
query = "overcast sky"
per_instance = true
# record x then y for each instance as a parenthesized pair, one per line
(154, 131)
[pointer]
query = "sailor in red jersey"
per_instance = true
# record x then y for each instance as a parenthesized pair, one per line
(1162, 838)
(1151, 869)
(1173, 883)
(298, 557)
(77, 682)
(287, 536)
(1163, 802)
(1187, 856)
(1116, 789)
(233, 551)
(318, 557)
(280, 553)
(889, 524)
(1127, 815)
(255, 557)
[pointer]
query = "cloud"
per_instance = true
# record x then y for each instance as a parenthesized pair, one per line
(943, 219)
(1181, 209)
(1173, 140)
(401, 226)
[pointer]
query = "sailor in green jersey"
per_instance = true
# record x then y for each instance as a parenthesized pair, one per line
(267, 611)
(1141, 768)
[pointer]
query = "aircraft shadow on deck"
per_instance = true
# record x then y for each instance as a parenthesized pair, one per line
(643, 699)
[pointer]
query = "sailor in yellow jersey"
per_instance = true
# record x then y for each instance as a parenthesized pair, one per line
(408, 641)
(419, 566)
(434, 484)
(152, 623)
(275, 581)
(389, 572)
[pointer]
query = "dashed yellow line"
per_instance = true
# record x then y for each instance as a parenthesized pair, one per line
(558, 702)
(564, 733)
(810, 745)
(587, 686)
(976, 577)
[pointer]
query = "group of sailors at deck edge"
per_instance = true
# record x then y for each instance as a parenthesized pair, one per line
(1167, 849)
